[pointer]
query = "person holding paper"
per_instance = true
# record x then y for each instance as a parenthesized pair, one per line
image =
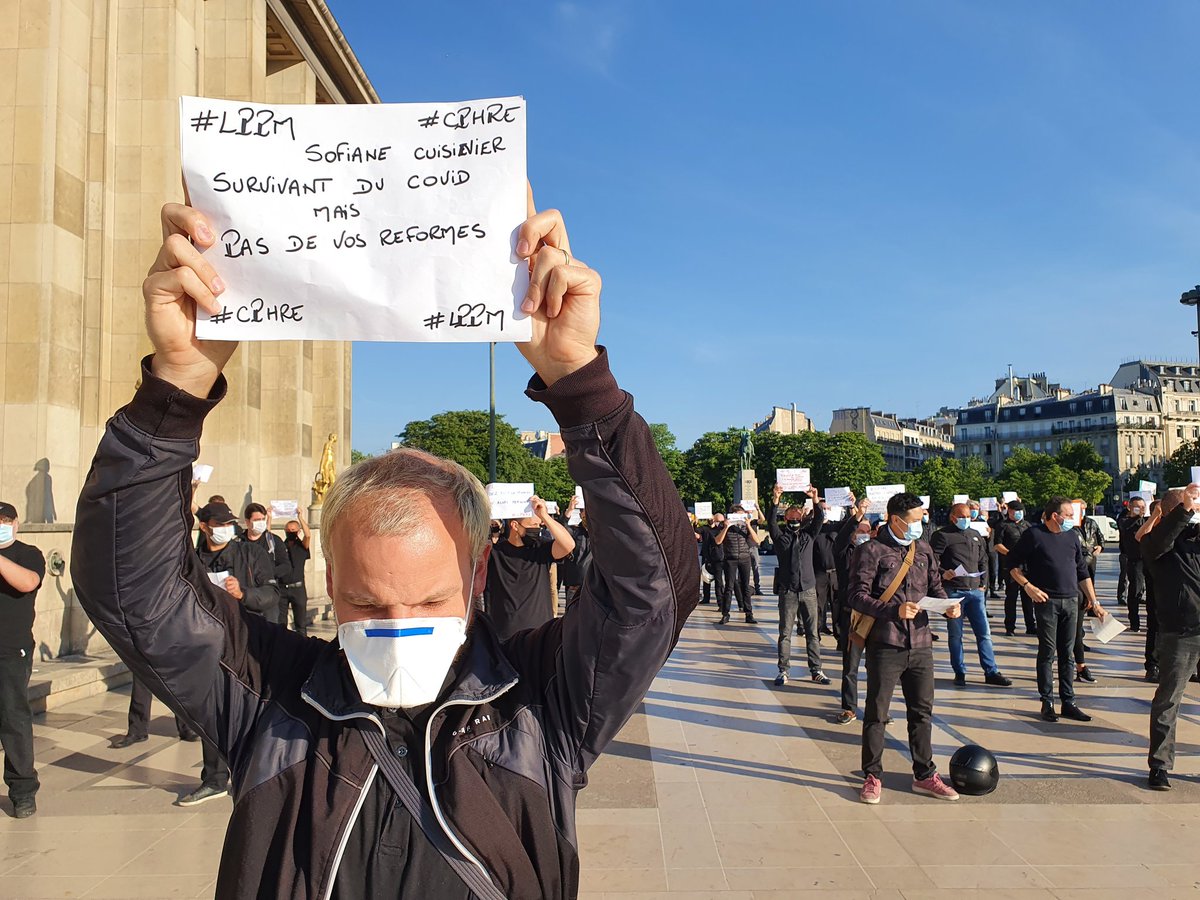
(1131, 560)
(518, 575)
(962, 555)
(796, 581)
(888, 579)
(736, 538)
(1007, 538)
(712, 557)
(258, 535)
(1171, 550)
(296, 544)
(573, 570)
(417, 698)
(1048, 565)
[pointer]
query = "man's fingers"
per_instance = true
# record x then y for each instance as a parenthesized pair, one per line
(547, 228)
(566, 280)
(179, 283)
(180, 219)
(177, 252)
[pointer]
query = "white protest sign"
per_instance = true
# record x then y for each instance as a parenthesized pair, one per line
(839, 496)
(704, 510)
(575, 518)
(924, 501)
(736, 517)
(880, 494)
(579, 497)
(834, 513)
(201, 473)
(989, 504)
(1148, 486)
(510, 501)
(1141, 495)
(367, 222)
(284, 509)
(747, 504)
(937, 604)
(793, 479)
(981, 527)
(960, 498)
(960, 571)
(218, 578)
(1077, 513)
(1009, 496)
(1195, 474)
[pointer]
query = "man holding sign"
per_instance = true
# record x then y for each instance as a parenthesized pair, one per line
(418, 756)
(518, 578)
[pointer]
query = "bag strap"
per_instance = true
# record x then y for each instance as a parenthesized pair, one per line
(899, 579)
(480, 884)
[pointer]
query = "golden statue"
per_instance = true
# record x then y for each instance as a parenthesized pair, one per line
(327, 473)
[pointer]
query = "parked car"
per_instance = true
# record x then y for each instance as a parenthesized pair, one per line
(1108, 528)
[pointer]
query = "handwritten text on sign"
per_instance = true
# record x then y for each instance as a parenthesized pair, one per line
(393, 222)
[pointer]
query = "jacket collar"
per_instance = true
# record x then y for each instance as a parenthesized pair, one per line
(481, 673)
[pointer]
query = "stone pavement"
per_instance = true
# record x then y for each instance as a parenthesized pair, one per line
(722, 786)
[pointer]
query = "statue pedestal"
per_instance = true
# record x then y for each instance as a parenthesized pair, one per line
(314, 515)
(746, 487)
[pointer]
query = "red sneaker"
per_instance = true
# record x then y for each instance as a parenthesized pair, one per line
(871, 790)
(933, 786)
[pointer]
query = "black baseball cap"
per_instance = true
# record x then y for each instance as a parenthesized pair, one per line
(220, 512)
(7, 511)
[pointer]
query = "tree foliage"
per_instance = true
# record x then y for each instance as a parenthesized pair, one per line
(357, 456)
(1178, 470)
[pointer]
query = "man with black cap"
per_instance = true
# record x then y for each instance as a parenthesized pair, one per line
(1007, 536)
(22, 568)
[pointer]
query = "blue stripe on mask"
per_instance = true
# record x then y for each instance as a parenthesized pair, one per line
(398, 632)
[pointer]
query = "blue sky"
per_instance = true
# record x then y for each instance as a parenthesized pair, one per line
(832, 204)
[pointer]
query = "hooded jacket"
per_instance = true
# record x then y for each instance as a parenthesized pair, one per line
(511, 739)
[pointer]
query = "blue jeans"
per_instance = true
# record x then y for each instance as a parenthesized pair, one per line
(974, 612)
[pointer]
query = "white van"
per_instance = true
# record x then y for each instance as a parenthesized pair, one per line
(1108, 528)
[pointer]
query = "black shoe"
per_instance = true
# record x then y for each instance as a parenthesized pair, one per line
(781, 679)
(1048, 712)
(1071, 711)
(750, 620)
(1085, 674)
(1029, 633)
(202, 794)
(724, 620)
(1135, 629)
(1195, 679)
(827, 631)
(1152, 674)
(126, 740)
(702, 602)
(997, 679)
(24, 808)
(1158, 780)
(993, 596)
(1008, 632)
(820, 677)
(191, 737)
(1087, 649)
(960, 680)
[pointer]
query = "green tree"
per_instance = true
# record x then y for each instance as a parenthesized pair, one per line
(1141, 473)
(786, 451)
(1038, 476)
(462, 435)
(1079, 456)
(710, 466)
(357, 456)
(942, 477)
(849, 460)
(1178, 470)
(672, 456)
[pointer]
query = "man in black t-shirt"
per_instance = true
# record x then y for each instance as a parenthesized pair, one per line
(22, 568)
(293, 590)
(518, 579)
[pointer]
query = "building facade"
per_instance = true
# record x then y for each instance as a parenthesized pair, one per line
(784, 420)
(544, 444)
(1175, 386)
(89, 152)
(906, 443)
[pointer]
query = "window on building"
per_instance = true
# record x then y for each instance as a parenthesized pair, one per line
(1037, 448)
(1191, 406)
(1006, 449)
(1073, 406)
(1141, 442)
(1187, 385)
(1124, 403)
(1088, 406)
(1129, 461)
(1196, 432)
(1037, 410)
(1022, 411)
(1179, 432)
(1129, 440)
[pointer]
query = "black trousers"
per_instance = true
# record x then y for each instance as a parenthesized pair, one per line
(827, 588)
(1011, 593)
(754, 571)
(1178, 658)
(16, 724)
(216, 771)
(805, 605)
(1122, 580)
(1136, 589)
(1151, 621)
(717, 585)
(1057, 619)
(1079, 651)
(737, 578)
(140, 699)
(914, 670)
(295, 599)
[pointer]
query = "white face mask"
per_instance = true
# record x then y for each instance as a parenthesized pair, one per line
(861, 539)
(258, 526)
(8, 534)
(401, 662)
(222, 534)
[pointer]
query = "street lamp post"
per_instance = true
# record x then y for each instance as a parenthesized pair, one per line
(1192, 298)
(492, 412)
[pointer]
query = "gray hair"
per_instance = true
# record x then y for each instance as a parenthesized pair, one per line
(387, 487)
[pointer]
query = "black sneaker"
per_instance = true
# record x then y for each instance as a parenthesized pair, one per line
(845, 717)
(1008, 632)
(997, 679)
(781, 679)
(1073, 712)
(201, 794)
(1158, 780)
(960, 680)
(1085, 674)
(1152, 674)
(724, 620)
(126, 740)
(1048, 712)
(820, 677)
(24, 808)
(750, 620)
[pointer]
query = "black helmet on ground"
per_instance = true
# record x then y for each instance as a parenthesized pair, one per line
(974, 771)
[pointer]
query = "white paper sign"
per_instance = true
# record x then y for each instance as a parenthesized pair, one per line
(1077, 513)
(960, 498)
(366, 222)
(510, 501)
(1148, 486)
(747, 504)
(736, 517)
(839, 496)
(218, 578)
(834, 513)
(960, 571)
(880, 494)
(1195, 474)
(552, 507)
(284, 509)
(1009, 496)
(1104, 630)
(704, 510)
(981, 527)
(989, 504)
(201, 473)
(1143, 495)
(793, 479)
(575, 518)
(936, 604)
(924, 501)
(579, 497)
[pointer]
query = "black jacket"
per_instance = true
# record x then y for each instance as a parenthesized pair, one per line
(1172, 553)
(252, 568)
(1127, 528)
(510, 741)
(824, 556)
(710, 550)
(794, 551)
(954, 548)
(1009, 534)
(1090, 537)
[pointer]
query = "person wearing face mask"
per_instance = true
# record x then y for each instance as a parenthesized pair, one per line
(1131, 559)
(258, 535)
(977, 516)
(712, 557)
(796, 582)
(1048, 565)
(573, 569)
(960, 549)
(854, 532)
(889, 576)
(1092, 542)
(1007, 537)
(294, 590)
(1171, 550)
(736, 538)
(22, 568)
(418, 755)
(518, 576)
